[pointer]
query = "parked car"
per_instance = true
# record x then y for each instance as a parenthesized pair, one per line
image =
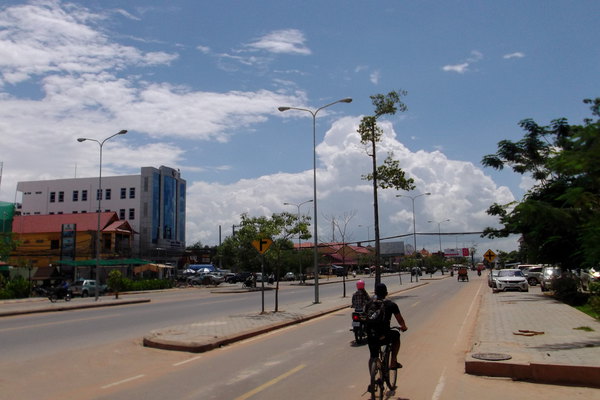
(588, 276)
(511, 279)
(533, 275)
(548, 274)
(290, 276)
(206, 279)
(492, 278)
(86, 287)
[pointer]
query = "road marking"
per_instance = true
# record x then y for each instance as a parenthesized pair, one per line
(440, 386)
(414, 304)
(270, 383)
(187, 361)
(123, 381)
(464, 323)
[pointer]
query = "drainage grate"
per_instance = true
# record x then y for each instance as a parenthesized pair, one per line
(491, 356)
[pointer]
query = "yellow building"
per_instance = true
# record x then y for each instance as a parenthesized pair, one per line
(45, 241)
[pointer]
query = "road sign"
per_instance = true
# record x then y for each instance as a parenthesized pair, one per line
(262, 245)
(489, 255)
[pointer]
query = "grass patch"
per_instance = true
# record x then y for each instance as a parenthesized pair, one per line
(584, 328)
(587, 308)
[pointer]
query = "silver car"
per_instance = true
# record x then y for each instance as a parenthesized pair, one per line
(511, 279)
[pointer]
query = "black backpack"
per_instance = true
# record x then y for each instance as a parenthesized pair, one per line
(376, 318)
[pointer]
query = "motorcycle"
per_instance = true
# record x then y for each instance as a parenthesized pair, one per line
(358, 327)
(478, 272)
(58, 293)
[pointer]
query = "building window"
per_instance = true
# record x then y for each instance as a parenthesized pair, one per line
(132, 193)
(84, 195)
(61, 197)
(132, 213)
(54, 244)
(52, 197)
(122, 213)
(107, 194)
(123, 193)
(84, 212)
(98, 194)
(75, 195)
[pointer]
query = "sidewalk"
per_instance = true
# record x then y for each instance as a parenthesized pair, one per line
(524, 336)
(530, 336)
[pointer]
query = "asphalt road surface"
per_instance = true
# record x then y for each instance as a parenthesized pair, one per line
(98, 354)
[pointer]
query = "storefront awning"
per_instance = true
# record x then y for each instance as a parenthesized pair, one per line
(104, 263)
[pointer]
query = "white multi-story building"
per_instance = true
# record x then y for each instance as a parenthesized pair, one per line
(153, 203)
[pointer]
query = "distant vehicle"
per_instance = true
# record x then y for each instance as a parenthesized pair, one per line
(206, 279)
(290, 276)
(548, 274)
(588, 276)
(511, 279)
(533, 275)
(492, 278)
(86, 287)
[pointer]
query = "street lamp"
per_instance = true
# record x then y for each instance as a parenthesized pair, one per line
(413, 212)
(368, 231)
(440, 231)
(298, 206)
(99, 196)
(314, 118)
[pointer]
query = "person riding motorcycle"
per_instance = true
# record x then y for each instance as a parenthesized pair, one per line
(360, 297)
(389, 335)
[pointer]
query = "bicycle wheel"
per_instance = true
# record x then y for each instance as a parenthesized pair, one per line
(390, 374)
(376, 386)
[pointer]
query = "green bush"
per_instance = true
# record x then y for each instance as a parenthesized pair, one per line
(566, 290)
(16, 288)
(145, 284)
(594, 300)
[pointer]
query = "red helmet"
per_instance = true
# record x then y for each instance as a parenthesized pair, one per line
(360, 284)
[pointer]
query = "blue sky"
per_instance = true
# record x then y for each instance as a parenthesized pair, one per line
(198, 83)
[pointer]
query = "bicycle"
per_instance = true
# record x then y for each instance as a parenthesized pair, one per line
(381, 373)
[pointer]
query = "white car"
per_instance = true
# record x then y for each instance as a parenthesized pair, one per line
(511, 279)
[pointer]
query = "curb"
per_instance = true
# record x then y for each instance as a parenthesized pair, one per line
(154, 341)
(71, 307)
(193, 347)
(542, 373)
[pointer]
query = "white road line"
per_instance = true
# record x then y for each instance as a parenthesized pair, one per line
(270, 383)
(440, 386)
(462, 327)
(123, 381)
(187, 361)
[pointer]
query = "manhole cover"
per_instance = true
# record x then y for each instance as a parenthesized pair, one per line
(491, 356)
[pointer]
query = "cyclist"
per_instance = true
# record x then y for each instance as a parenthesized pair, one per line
(388, 335)
(360, 297)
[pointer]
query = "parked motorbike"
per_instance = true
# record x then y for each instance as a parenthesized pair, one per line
(358, 327)
(59, 293)
(478, 272)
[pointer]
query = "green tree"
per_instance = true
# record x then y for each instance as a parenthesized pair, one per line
(389, 174)
(281, 228)
(116, 282)
(559, 218)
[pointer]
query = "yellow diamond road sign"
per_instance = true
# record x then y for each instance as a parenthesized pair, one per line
(489, 256)
(262, 245)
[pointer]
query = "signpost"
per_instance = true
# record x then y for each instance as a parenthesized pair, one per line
(490, 256)
(262, 245)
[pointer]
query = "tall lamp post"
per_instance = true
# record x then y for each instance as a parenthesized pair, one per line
(440, 231)
(298, 206)
(99, 196)
(316, 241)
(413, 212)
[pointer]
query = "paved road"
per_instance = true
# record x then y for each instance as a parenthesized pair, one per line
(561, 345)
